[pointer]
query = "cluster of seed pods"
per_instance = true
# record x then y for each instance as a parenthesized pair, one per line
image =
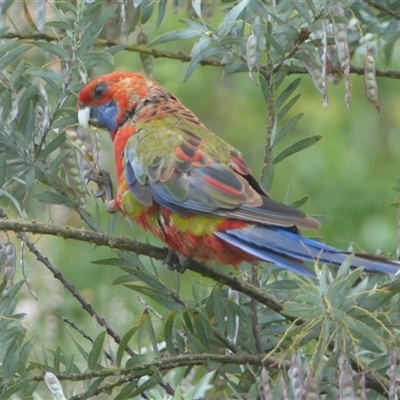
(335, 59)
(303, 385)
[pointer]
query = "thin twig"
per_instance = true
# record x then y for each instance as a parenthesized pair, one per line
(255, 326)
(84, 335)
(87, 306)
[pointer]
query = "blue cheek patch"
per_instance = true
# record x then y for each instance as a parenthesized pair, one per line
(105, 116)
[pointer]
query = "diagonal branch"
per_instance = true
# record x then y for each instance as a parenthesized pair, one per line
(87, 306)
(382, 7)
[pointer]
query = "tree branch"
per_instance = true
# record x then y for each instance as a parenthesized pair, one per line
(382, 7)
(183, 57)
(139, 248)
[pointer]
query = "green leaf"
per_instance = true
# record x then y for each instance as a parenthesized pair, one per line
(162, 5)
(91, 34)
(13, 55)
(147, 385)
(287, 93)
(169, 330)
(219, 308)
(4, 29)
(93, 387)
(53, 145)
(61, 25)
(180, 34)
(162, 298)
(3, 169)
(151, 280)
(203, 330)
(126, 391)
(8, 46)
(10, 360)
(57, 359)
(138, 360)
(376, 299)
(265, 89)
(287, 128)
(96, 352)
(276, 46)
(8, 303)
(296, 147)
(234, 13)
(370, 340)
(339, 290)
(300, 202)
(288, 106)
(118, 262)
(124, 344)
(20, 385)
(148, 326)
(52, 48)
(194, 62)
(52, 78)
(54, 198)
(301, 10)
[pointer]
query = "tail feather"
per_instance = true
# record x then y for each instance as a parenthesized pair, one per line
(290, 250)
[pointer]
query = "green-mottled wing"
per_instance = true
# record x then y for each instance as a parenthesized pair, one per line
(189, 169)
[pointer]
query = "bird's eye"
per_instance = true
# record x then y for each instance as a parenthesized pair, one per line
(99, 90)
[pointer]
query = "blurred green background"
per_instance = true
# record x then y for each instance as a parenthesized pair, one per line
(348, 177)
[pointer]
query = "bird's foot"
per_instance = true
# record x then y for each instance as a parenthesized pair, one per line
(176, 261)
(105, 187)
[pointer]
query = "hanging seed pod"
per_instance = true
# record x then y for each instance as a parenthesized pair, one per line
(363, 388)
(314, 69)
(147, 59)
(393, 377)
(296, 379)
(8, 260)
(251, 54)
(73, 138)
(346, 382)
(341, 40)
(72, 166)
(233, 330)
(208, 8)
(311, 388)
(343, 52)
(54, 386)
(266, 388)
(371, 85)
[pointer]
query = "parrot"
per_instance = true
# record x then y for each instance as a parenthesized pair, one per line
(194, 191)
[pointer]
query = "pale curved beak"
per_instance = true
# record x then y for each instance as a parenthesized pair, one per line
(84, 117)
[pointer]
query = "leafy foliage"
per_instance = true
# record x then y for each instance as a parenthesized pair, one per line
(222, 337)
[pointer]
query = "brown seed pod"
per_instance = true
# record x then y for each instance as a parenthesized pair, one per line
(371, 85)
(147, 59)
(251, 54)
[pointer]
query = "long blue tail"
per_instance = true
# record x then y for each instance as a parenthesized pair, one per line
(290, 250)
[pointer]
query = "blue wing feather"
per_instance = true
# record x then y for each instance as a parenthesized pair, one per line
(290, 250)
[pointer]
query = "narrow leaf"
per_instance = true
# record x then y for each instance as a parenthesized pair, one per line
(296, 147)
(287, 92)
(161, 298)
(96, 352)
(287, 128)
(180, 34)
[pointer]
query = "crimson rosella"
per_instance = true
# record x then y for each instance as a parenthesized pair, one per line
(194, 191)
